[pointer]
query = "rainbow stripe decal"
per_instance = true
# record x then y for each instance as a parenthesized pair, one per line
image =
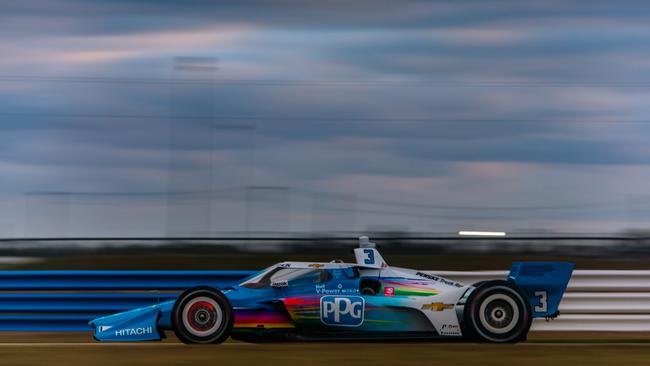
(410, 288)
(261, 318)
(381, 314)
(304, 309)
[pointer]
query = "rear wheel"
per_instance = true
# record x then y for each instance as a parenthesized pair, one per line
(497, 311)
(202, 315)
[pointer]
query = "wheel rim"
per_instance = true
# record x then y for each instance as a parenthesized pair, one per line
(499, 314)
(202, 316)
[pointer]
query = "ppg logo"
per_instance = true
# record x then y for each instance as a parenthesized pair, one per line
(344, 311)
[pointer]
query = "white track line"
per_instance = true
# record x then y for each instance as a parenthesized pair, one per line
(107, 344)
(584, 344)
(243, 344)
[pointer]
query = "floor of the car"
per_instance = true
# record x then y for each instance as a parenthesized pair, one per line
(277, 335)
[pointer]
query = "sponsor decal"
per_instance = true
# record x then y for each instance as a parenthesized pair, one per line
(450, 330)
(316, 265)
(439, 279)
(284, 265)
(389, 291)
(411, 287)
(437, 306)
(344, 311)
(133, 331)
(280, 284)
(339, 290)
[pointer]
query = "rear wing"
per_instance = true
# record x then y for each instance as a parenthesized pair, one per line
(544, 283)
(367, 255)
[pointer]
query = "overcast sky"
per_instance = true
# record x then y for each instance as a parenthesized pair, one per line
(202, 117)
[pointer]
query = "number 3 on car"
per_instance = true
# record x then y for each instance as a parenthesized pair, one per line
(370, 256)
(542, 297)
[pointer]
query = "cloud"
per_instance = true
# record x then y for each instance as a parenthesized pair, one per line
(470, 103)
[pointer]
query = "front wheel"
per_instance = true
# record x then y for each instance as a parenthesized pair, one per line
(202, 315)
(497, 311)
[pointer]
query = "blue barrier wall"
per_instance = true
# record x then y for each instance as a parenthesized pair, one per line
(67, 300)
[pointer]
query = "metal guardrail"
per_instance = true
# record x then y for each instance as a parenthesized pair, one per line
(114, 280)
(67, 300)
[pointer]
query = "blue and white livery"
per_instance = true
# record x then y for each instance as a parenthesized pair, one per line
(350, 301)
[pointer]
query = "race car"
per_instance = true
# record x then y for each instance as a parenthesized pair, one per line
(366, 300)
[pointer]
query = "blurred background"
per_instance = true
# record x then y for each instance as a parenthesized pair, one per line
(238, 134)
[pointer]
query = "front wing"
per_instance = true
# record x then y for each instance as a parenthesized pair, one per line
(143, 324)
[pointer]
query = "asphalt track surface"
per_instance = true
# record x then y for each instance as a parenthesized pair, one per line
(547, 349)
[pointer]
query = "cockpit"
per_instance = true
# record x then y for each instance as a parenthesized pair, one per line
(279, 276)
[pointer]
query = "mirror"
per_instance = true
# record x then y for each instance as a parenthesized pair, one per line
(280, 284)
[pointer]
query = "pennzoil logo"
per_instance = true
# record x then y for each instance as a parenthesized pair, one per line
(437, 306)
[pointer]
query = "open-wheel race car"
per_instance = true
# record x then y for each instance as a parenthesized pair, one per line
(350, 301)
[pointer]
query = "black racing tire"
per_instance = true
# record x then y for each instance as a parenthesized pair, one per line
(497, 311)
(202, 315)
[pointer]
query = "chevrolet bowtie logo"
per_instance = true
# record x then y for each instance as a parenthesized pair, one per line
(316, 265)
(437, 306)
